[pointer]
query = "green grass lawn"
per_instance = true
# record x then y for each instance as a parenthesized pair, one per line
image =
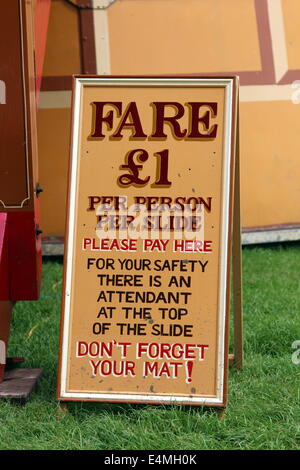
(264, 398)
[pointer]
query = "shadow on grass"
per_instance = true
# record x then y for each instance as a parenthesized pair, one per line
(133, 409)
(53, 259)
(275, 246)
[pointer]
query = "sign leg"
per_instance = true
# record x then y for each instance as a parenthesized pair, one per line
(237, 269)
(64, 407)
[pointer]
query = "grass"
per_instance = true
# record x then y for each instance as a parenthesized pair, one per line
(264, 398)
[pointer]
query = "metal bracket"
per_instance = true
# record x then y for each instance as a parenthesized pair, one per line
(38, 189)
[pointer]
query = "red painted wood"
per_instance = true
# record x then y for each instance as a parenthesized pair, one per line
(4, 280)
(42, 13)
(20, 246)
(25, 256)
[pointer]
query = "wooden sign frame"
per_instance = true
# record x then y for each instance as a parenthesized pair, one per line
(230, 239)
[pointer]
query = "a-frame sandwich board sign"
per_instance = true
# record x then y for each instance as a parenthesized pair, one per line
(152, 214)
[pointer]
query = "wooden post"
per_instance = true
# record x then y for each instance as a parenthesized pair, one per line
(238, 358)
